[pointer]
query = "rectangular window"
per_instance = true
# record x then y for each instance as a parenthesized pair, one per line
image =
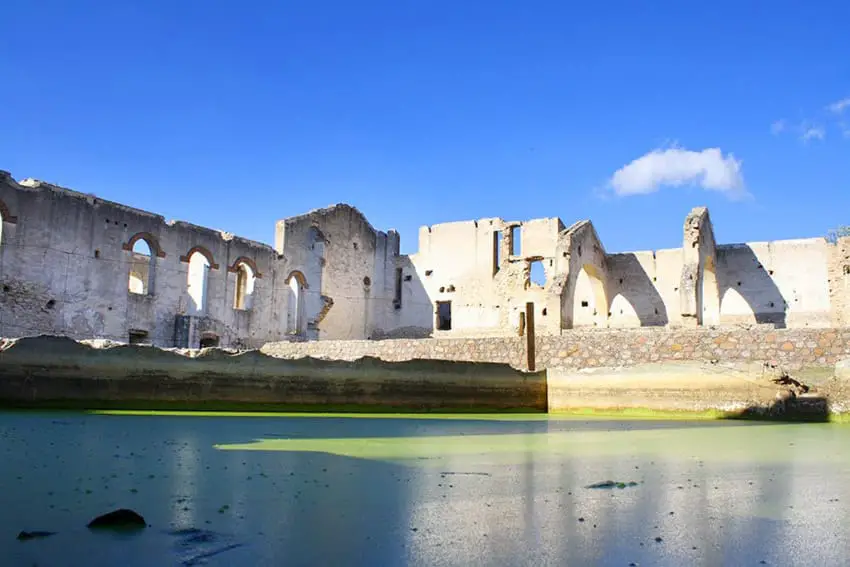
(497, 251)
(398, 279)
(516, 241)
(444, 315)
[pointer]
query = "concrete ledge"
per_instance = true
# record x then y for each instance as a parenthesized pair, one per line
(53, 371)
(729, 390)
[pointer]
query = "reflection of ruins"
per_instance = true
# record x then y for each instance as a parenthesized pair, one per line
(74, 264)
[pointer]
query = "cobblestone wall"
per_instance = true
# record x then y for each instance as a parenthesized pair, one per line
(787, 348)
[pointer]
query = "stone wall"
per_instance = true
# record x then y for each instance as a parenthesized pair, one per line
(68, 266)
(792, 349)
(66, 260)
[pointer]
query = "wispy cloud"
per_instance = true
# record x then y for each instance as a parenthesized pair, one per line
(708, 169)
(777, 127)
(812, 133)
(839, 106)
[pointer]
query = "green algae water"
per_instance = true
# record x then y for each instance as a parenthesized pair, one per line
(422, 490)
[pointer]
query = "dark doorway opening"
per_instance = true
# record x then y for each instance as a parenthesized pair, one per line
(209, 341)
(138, 337)
(444, 315)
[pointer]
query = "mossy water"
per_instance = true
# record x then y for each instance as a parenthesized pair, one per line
(423, 490)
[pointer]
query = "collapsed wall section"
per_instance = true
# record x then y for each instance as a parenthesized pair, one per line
(476, 278)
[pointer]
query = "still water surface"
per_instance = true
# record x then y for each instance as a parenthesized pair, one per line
(465, 490)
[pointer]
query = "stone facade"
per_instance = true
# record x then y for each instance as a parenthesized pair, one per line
(77, 265)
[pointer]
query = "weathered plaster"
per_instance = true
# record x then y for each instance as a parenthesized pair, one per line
(68, 266)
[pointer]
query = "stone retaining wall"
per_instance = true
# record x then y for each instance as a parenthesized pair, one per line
(60, 372)
(792, 349)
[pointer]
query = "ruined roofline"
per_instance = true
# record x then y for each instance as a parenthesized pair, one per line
(738, 245)
(484, 220)
(31, 184)
(329, 210)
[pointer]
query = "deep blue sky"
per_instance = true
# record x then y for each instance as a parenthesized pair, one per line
(235, 114)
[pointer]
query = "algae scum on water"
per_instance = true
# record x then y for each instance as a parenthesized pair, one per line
(421, 490)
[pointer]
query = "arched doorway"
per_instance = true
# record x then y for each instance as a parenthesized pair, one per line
(590, 303)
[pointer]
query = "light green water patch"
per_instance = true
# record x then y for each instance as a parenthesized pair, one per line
(716, 443)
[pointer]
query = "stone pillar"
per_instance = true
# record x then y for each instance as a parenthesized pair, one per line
(698, 292)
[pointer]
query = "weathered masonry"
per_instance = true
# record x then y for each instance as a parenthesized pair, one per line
(77, 265)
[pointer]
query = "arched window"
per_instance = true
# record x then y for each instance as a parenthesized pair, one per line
(199, 269)
(295, 303)
(244, 286)
(141, 268)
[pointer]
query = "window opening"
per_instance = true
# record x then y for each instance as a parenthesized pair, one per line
(244, 287)
(141, 268)
(444, 315)
(497, 251)
(138, 337)
(398, 279)
(516, 240)
(537, 273)
(197, 282)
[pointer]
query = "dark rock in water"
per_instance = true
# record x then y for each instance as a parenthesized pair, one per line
(25, 536)
(611, 484)
(119, 519)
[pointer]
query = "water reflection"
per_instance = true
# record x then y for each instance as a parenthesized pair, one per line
(314, 491)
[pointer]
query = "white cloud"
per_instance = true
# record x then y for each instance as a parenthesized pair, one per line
(777, 127)
(839, 106)
(674, 167)
(812, 133)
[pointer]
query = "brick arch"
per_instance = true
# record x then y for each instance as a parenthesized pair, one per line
(7, 215)
(203, 251)
(249, 262)
(298, 276)
(147, 237)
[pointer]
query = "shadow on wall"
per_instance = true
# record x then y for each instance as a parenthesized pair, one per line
(410, 313)
(813, 409)
(634, 285)
(747, 291)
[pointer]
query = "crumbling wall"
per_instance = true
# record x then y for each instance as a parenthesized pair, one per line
(66, 258)
(698, 292)
(349, 269)
(584, 282)
(838, 272)
(486, 278)
(784, 283)
(636, 297)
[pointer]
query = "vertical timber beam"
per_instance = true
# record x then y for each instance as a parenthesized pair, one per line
(529, 336)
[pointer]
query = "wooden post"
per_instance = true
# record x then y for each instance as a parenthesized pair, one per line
(529, 335)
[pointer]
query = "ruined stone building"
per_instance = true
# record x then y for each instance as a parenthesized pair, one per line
(78, 265)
